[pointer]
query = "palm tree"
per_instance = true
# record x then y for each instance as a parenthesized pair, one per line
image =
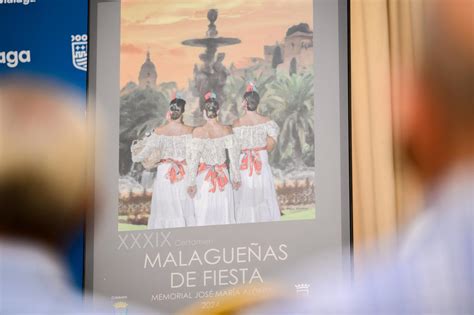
(290, 103)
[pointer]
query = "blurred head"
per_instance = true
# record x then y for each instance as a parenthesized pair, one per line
(437, 132)
(251, 100)
(44, 145)
(211, 105)
(177, 106)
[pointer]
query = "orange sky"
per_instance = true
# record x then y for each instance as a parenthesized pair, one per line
(161, 26)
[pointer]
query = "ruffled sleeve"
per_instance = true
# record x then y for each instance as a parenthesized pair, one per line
(147, 151)
(233, 147)
(273, 130)
(193, 156)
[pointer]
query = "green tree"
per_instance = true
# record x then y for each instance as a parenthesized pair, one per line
(290, 103)
(293, 67)
(140, 111)
(277, 57)
(168, 89)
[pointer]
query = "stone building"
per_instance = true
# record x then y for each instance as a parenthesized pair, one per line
(148, 75)
(296, 50)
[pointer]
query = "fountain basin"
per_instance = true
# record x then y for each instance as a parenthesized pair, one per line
(211, 42)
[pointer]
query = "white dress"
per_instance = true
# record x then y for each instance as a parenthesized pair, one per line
(208, 170)
(257, 198)
(170, 204)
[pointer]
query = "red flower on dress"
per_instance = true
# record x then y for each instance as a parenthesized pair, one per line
(252, 161)
(216, 176)
(176, 171)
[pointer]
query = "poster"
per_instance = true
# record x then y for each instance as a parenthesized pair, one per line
(218, 48)
(261, 203)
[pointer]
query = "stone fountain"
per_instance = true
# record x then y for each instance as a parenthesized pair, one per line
(211, 75)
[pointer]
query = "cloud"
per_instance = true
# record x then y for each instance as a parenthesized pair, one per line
(131, 49)
(166, 12)
(178, 52)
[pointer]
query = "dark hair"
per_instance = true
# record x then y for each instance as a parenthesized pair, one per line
(253, 99)
(211, 106)
(180, 102)
(175, 104)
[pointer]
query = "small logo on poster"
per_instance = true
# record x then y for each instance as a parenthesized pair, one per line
(79, 51)
(302, 289)
(121, 308)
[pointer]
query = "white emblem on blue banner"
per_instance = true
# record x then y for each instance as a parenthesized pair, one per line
(79, 51)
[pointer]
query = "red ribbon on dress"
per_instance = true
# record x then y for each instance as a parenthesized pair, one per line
(176, 171)
(252, 160)
(216, 176)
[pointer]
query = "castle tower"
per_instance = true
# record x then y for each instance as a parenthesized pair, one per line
(148, 75)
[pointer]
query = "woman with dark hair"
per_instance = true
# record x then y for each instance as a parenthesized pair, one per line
(166, 150)
(210, 184)
(257, 134)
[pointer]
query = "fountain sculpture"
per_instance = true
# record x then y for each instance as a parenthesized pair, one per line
(211, 75)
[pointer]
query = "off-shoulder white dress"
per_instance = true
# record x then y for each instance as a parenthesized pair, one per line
(208, 170)
(170, 204)
(256, 199)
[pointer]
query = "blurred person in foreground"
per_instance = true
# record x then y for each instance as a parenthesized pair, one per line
(432, 270)
(44, 195)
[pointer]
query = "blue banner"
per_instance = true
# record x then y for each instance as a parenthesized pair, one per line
(48, 39)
